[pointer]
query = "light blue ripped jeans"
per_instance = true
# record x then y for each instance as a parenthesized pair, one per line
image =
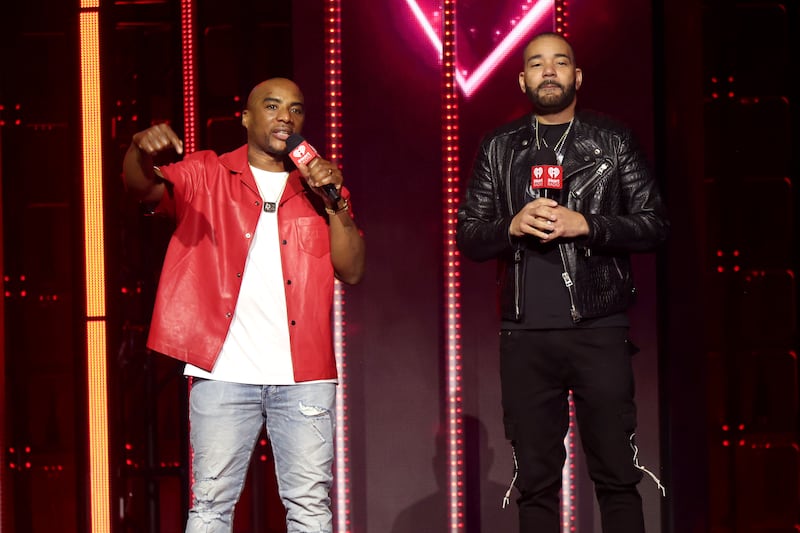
(226, 419)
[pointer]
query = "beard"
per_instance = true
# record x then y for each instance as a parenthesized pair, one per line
(551, 103)
(273, 147)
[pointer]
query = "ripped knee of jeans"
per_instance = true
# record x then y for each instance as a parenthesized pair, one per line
(200, 513)
(206, 503)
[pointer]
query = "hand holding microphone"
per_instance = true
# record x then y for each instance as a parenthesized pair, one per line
(303, 154)
(543, 217)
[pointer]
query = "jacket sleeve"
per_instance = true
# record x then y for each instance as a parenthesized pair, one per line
(482, 230)
(638, 222)
(182, 179)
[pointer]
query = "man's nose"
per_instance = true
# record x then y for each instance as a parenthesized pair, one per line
(284, 115)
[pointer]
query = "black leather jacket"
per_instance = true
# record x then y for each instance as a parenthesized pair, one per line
(606, 178)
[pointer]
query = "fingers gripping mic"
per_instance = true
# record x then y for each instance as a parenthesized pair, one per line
(546, 174)
(300, 152)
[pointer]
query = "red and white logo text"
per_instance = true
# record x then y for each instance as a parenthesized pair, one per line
(546, 177)
(302, 155)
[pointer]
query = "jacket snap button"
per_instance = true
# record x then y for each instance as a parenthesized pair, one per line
(247, 235)
(228, 315)
(238, 274)
(288, 282)
(284, 241)
(293, 322)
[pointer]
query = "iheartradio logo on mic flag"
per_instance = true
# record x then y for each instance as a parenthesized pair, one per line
(547, 177)
(303, 154)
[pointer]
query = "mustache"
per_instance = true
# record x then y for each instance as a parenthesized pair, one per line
(546, 84)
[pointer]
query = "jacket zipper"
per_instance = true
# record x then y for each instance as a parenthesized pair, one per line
(517, 250)
(573, 310)
(517, 262)
(577, 193)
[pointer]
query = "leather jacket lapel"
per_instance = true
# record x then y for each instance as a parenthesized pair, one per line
(522, 150)
(581, 163)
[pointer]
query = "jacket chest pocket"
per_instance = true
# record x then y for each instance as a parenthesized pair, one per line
(313, 236)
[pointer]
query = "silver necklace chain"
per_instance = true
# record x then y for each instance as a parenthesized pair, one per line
(558, 148)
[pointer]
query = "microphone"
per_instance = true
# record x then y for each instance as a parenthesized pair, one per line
(300, 152)
(546, 174)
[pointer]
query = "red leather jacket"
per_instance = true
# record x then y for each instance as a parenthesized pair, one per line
(216, 205)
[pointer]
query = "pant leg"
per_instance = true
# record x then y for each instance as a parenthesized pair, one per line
(603, 389)
(226, 419)
(300, 425)
(536, 419)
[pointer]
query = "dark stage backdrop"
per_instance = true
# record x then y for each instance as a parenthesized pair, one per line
(392, 164)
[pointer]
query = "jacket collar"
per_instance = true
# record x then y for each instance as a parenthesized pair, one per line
(582, 151)
(236, 162)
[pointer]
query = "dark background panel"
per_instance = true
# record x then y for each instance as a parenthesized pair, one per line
(704, 85)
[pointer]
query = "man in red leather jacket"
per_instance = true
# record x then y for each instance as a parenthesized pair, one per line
(245, 300)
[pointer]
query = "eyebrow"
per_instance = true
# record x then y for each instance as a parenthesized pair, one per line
(540, 56)
(279, 101)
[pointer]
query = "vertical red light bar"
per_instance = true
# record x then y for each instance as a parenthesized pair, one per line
(333, 135)
(562, 14)
(190, 118)
(3, 464)
(452, 286)
(94, 268)
(189, 64)
(3, 442)
(569, 492)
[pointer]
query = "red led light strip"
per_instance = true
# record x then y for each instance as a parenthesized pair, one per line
(569, 490)
(94, 268)
(562, 16)
(189, 65)
(569, 493)
(190, 114)
(4, 465)
(333, 131)
(452, 286)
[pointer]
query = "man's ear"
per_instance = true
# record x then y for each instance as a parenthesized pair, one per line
(578, 78)
(245, 118)
(522, 82)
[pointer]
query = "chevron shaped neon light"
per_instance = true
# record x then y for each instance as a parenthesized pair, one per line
(469, 84)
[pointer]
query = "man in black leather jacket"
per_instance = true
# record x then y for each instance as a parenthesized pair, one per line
(565, 283)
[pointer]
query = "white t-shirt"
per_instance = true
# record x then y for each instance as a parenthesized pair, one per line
(257, 350)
